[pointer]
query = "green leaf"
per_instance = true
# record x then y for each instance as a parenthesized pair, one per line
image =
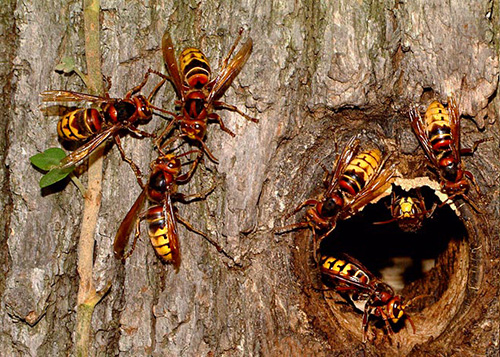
(54, 176)
(48, 159)
(67, 65)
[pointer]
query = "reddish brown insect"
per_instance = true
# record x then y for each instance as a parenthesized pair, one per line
(408, 210)
(198, 94)
(161, 216)
(439, 135)
(367, 293)
(354, 182)
(112, 116)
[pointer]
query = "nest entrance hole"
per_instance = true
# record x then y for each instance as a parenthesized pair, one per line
(400, 258)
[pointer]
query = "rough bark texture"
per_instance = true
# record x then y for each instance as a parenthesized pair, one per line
(319, 72)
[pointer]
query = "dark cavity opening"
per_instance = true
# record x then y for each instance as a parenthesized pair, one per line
(412, 263)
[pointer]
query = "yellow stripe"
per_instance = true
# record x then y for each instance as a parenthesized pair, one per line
(152, 221)
(65, 128)
(373, 156)
(158, 232)
(436, 113)
(190, 54)
(338, 265)
(347, 269)
(161, 244)
(365, 164)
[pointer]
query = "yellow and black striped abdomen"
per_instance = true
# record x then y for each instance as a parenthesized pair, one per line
(338, 267)
(195, 68)
(438, 128)
(163, 237)
(79, 124)
(359, 171)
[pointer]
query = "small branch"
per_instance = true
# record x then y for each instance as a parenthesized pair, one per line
(76, 181)
(83, 76)
(87, 295)
(93, 46)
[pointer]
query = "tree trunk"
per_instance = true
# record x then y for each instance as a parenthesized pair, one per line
(319, 73)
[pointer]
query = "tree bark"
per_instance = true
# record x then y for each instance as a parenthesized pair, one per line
(319, 73)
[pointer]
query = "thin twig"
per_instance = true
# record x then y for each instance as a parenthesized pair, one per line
(87, 296)
(76, 181)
